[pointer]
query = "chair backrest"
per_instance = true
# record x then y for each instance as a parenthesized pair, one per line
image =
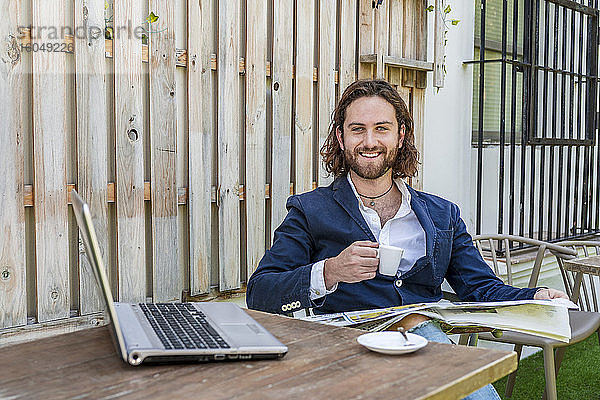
(589, 294)
(486, 244)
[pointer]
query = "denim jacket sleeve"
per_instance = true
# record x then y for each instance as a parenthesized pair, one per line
(470, 276)
(281, 283)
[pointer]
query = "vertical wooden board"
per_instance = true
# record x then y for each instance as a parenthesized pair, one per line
(396, 22)
(405, 92)
(13, 302)
(421, 40)
(326, 77)
(395, 48)
(229, 144)
(129, 132)
(381, 37)
(366, 39)
(409, 38)
(200, 128)
(415, 47)
(283, 36)
(50, 197)
(256, 128)
(91, 138)
(418, 107)
(167, 278)
(347, 64)
(304, 95)
(395, 78)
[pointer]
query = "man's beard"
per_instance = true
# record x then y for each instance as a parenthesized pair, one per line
(370, 170)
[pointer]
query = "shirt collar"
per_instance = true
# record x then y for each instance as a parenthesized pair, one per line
(400, 184)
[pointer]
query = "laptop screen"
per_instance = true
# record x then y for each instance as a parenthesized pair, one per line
(92, 250)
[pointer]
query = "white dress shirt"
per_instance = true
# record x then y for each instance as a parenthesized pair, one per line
(404, 230)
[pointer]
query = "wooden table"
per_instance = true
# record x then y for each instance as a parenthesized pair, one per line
(584, 265)
(323, 362)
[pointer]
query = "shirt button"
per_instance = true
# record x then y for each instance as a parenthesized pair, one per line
(398, 283)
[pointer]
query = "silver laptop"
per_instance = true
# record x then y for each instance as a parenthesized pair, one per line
(175, 332)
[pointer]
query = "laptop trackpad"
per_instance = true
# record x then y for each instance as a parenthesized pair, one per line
(244, 334)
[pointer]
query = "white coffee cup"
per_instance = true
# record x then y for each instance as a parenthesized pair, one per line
(389, 259)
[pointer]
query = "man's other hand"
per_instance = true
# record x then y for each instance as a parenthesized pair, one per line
(357, 262)
(547, 294)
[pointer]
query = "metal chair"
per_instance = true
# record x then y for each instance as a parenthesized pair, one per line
(583, 324)
(588, 300)
(589, 293)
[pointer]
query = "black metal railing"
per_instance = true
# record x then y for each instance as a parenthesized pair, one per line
(548, 170)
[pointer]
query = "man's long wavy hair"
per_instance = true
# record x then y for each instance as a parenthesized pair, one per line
(407, 159)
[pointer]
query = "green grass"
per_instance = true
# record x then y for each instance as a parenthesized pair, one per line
(578, 377)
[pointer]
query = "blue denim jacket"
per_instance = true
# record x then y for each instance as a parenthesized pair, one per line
(323, 222)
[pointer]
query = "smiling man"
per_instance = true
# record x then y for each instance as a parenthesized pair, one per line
(324, 254)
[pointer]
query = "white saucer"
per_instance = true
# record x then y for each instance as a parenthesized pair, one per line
(390, 342)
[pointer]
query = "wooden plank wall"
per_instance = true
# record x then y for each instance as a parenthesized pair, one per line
(92, 139)
(129, 154)
(347, 44)
(418, 100)
(50, 168)
(200, 146)
(303, 121)
(163, 153)
(326, 80)
(283, 35)
(260, 81)
(381, 37)
(13, 301)
(410, 42)
(256, 130)
(366, 36)
(229, 128)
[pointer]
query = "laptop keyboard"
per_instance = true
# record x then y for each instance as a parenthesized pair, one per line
(181, 326)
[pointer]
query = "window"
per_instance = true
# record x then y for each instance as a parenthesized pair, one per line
(492, 90)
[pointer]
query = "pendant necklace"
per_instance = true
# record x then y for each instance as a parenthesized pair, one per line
(372, 198)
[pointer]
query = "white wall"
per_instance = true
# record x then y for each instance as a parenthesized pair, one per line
(447, 144)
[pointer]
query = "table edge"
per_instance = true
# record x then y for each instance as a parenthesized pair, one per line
(462, 388)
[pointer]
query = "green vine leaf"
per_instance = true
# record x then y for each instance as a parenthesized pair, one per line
(430, 8)
(152, 18)
(444, 13)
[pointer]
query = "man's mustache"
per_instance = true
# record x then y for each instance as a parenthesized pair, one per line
(370, 150)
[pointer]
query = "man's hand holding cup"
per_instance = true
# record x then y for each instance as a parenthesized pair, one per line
(360, 261)
(357, 262)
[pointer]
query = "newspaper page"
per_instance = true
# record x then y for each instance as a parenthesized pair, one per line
(544, 318)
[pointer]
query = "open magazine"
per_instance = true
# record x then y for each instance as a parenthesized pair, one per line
(547, 318)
